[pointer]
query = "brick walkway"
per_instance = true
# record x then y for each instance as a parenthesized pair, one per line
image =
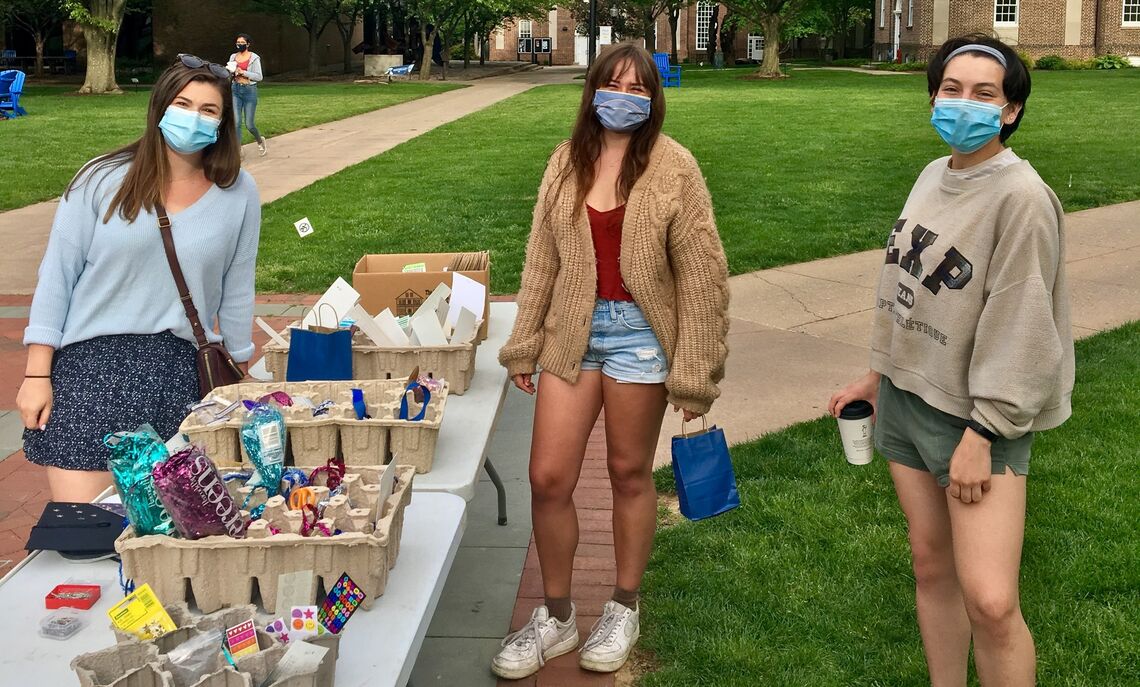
(594, 571)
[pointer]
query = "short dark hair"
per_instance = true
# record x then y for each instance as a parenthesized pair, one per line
(1016, 83)
(246, 37)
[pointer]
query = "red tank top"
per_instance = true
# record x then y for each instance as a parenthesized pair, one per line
(243, 65)
(606, 230)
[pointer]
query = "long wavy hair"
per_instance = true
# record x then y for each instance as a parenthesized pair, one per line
(149, 172)
(586, 141)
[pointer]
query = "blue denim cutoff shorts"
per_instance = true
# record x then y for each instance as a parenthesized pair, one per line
(623, 345)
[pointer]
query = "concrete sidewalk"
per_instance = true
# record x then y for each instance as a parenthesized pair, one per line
(295, 159)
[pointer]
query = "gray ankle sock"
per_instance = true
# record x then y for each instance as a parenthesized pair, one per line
(626, 598)
(559, 607)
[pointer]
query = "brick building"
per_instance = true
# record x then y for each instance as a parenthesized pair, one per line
(1074, 29)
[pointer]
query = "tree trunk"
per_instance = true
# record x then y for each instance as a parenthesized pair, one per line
(674, 19)
(346, 42)
(39, 39)
(714, 33)
(100, 77)
(466, 44)
(314, 59)
(650, 31)
(484, 49)
(770, 25)
(429, 48)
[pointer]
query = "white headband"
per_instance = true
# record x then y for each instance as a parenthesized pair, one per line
(975, 47)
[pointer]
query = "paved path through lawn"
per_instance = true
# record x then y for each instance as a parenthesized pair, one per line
(295, 159)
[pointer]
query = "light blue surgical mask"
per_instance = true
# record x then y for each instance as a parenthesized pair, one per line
(186, 131)
(966, 125)
(621, 112)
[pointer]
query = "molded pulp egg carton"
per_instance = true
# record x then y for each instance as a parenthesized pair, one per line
(135, 663)
(314, 440)
(220, 571)
(454, 363)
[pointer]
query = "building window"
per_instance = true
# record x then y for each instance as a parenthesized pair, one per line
(525, 29)
(910, 14)
(1131, 13)
(704, 18)
(1005, 13)
(882, 14)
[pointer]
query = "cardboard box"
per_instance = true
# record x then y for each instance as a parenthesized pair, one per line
(382, 284)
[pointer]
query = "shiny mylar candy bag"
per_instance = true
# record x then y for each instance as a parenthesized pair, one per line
(263, 436)
(195, 495)
(133, 457)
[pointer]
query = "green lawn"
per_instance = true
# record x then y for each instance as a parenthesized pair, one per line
(809, 581)
(63, 130)
(809, 167)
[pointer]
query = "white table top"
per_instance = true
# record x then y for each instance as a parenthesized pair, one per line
(379, 647)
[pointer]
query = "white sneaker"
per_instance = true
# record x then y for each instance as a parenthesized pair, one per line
(540, 640)
(611, 638)
(262, 147)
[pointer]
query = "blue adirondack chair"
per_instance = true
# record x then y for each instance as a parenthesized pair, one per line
(670, 74)
(403, 70)
(11, 87)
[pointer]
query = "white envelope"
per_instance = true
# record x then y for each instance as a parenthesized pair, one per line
(465, 327)
(466, 293)
(369, 326)
(431, 303)
(340, 298)
(391, 328)
(428, 331)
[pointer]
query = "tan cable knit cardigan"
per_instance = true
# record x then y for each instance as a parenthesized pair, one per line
(672, 263)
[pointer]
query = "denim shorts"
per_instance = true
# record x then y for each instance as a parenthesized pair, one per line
(623, 345)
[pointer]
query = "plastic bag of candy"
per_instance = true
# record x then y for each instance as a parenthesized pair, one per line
(195, 495)
(133, 457)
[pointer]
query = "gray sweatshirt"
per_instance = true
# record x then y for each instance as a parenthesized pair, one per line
(253, 73)
(972, 313)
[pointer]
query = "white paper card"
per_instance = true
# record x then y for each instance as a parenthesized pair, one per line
(277, 338)
(431, 303)
(428, 331)
(295, 589)
(465, 327)
(466, 293)
(387, 483)
(391, 328)
(304, 227)
(300, 658)
(369, 326)
(340, 296)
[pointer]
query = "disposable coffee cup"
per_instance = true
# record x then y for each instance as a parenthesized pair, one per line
(855, 429)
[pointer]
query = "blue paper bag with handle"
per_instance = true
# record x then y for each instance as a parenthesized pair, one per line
(317, 356)
(702, 468)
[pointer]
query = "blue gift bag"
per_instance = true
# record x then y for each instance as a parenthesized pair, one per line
(317, 356)
(702, 468)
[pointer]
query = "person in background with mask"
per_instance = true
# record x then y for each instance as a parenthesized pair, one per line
(246, 68)
(109, 343)
(971, 354)
(623, 306)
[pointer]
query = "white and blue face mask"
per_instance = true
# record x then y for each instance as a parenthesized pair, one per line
(621, 112)
(188, 132)
(966, 125)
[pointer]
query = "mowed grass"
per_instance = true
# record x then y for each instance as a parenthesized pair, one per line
(809, 581)
(63, 130)
(804, 168)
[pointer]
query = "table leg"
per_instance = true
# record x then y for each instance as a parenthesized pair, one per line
(498, 482)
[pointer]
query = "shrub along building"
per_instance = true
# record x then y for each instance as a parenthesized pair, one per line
(1073, 29)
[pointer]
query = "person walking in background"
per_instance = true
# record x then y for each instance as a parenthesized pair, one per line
(245, 65)
(971, 354)
(109, 343)
(623, 305)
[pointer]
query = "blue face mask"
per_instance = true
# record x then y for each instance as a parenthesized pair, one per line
(186, 131)
(966, 125)
(621, 112)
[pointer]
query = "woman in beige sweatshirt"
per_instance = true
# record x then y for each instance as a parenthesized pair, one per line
(971, 353)
(623, 305)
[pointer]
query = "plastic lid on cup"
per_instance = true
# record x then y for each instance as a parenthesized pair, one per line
(856, 410)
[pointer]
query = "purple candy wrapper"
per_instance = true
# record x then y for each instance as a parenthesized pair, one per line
(195, 495)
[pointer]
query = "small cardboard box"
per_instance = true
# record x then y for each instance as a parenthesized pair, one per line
(382, 284)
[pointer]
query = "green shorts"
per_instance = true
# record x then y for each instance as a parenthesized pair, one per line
(913, 433)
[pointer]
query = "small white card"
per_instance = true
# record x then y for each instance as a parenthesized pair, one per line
(387, 483)
(428, 331)
(294, 589)
(277, 338)
(368, 325)
(431, 303)
(391, 328)
(466, 326)
(304, 227)
(301, 658)
(340, 298)
(466, 293)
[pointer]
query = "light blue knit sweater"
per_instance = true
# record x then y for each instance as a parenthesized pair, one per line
(101, 279)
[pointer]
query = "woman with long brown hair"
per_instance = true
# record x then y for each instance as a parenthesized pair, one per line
(623, 306)
(109, 343)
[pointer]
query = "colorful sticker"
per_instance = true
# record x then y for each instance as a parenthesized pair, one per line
(341, 603)
(242, 639)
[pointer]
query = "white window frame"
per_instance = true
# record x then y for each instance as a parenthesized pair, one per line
(882, 14)
(1006, 4)
(704, 23)
(1130, 7)
(910, 14)
(526, 29)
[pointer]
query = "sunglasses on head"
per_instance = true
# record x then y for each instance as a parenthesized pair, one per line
(194, 62)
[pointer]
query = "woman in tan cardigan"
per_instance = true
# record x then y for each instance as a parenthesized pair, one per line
(623, 305)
